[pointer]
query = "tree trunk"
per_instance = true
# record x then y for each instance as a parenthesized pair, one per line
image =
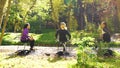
(81, 19)
(5, 22)
(116, 21)
(79, 15)
(55, 19)
(15, 26)
(68, 23)
(115, 16)
(2, 4)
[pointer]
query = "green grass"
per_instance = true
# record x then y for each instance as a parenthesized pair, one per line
(47, 37)
(44, 38)
(110, 62)
(101, 62)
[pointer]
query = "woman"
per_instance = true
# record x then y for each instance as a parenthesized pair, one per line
(25, 38)
(105, 32)
(62, 34)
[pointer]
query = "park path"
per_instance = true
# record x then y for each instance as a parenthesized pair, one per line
(39, 50)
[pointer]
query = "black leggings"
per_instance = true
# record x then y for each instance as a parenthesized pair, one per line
(30, 41)
(106, 37)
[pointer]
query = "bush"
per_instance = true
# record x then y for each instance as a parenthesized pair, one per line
(87, 58)
(85, 41)
(104, 49)
(84, 53)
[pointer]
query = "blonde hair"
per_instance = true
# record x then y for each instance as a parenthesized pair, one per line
(63, 23)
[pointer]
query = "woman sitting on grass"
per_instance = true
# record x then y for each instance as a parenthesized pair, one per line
(25, 38)
(105, 32)
(62, 34)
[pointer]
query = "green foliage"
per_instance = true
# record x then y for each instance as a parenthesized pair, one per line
(90, 27)
(41, 11)
(85, 56)
(44, 10)
(114, 44)
(8, 37)
(84, 53)
(57, 7)
(73, 23)
(35, 16)
(103, 48)
(108, 45)
(85, 41)
(88, 58)
(35, 23)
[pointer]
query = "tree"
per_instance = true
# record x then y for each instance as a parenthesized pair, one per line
(56, 7)
(109, 12)
(14, 18)
(30, 8)
(5, 21)
(2, 4)
(19, 13)
(80, 15)
(115, 16)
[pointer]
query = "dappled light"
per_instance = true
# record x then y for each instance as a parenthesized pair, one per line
(59, 33)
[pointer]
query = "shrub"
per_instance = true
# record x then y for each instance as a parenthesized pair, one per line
(84, 53)
(85, 41)
(104, 49)
(87, 57)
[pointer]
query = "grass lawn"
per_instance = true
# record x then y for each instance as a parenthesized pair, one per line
(47, 37)
(14, 38)
(34, 61)
(110, 62)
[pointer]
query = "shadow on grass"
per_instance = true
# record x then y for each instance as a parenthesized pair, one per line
(13, 55)
(54, 59)
(57, 58)
(18, 53)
